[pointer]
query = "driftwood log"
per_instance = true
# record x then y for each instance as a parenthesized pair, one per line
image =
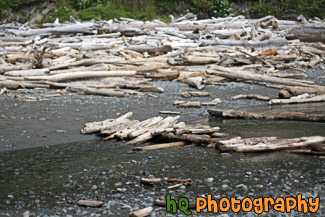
(262, 144)
(304, 98)
(292, 116)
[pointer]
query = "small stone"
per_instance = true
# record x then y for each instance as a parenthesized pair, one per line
(117, 184)
(209, 180)
(225, 186)
(242, 186)
(94, 187)
(11, 197)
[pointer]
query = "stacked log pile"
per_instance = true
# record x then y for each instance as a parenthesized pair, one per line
(89, 56)
(181, 135)
(139, 132)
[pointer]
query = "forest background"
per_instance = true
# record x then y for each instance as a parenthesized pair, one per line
(40, 11)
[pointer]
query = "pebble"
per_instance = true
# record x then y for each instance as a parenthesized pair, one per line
(225, 186)
(209, 180)
(242, 186)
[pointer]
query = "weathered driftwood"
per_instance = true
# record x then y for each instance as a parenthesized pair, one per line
(288, 92)
(121, 125)
(195, 94)
(9, 84)
(88, 28)
(90, 203)
(294, 116)
(152, 50)
(142, 212)
(82, 75)
(169, 113)
(25, 73)
(214, 102)
(181, 181)
(185, 104)
(94, 127)
(159, 146)
(196, 82)
(251, 96)
(306, 151)
(156, 130)
(141, 130)
(104, 92)
(150, 181)
(267, 43)
(309, 33)
(262, 144)
(246, 75)
(194, 60)
(305, 98)
(123, 133)
(6, 68)
(219, 135)
(197, 139)
(163, 76)
(318, 147)
(197, 129)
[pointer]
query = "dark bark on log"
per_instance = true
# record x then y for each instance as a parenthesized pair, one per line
(309, 33)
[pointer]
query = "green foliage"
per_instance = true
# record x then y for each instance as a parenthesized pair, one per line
(6, 4)
(151, 9)
(289, 9)
(63, 11)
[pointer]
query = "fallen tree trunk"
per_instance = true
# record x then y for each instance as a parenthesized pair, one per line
(82, 75)
(246, 75)
(266, 144)
(305, 98)
(308, 33)
(267, 43)
(293, 116)
(88, 28)
(296, 91)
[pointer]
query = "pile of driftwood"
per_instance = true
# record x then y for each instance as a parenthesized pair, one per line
(179, 135)
(139, 132)
(119, 57)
